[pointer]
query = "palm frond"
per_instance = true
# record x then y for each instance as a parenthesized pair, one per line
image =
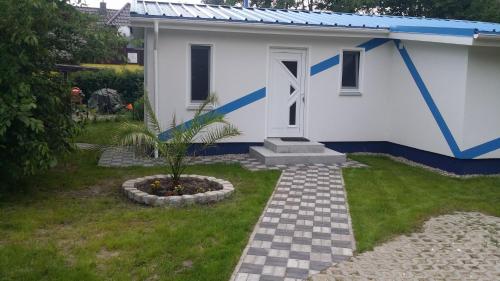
(152, 119)
(216, 134)
(136, 135)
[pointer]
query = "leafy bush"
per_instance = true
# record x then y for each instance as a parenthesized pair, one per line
(36, 125)
(138, 111)
(128, 83)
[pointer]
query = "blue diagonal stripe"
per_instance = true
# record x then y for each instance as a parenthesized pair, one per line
(324, 65)
(373, 43)
(333, 61)
(225, 109)
(429, 100)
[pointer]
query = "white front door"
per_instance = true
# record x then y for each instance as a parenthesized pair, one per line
(286, 93)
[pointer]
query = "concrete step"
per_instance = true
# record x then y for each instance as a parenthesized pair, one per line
(269, 157)
(279, 146)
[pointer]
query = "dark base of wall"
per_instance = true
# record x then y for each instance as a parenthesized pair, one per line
(439, 161)
(435, 160)
(226, 148)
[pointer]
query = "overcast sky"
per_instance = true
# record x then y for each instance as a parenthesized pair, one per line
(117, 4)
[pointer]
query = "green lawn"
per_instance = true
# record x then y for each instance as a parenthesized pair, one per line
(99, 132)
(392, 198)
(72, 223)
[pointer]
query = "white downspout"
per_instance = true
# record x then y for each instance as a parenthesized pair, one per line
(157, 86)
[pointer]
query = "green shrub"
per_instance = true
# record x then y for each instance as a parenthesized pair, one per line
(128, 83)
(138, 111)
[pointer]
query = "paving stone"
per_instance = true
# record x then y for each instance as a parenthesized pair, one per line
(459, 246)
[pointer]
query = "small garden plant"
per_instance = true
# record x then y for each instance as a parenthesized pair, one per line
(203, 131)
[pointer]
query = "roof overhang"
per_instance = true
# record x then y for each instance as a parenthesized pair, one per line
(255, 27)
(487, 39)
(448, 36)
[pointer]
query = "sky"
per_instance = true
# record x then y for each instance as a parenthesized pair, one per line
(117, 4)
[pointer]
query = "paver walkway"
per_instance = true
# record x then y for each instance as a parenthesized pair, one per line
(460, 246)
(304, 228)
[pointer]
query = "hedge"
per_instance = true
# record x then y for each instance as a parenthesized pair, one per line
(128, 83)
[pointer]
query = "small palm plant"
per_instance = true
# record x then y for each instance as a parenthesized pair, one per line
(205, 129)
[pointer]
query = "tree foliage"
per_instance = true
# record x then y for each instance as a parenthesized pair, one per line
(481, 10)
(35, 113)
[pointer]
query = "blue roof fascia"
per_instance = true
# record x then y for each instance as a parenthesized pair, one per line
(467, 32)
(198, 19)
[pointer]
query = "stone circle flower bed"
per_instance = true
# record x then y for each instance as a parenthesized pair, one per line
(157, 190)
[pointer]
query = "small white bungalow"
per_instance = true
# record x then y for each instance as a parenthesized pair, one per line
(424, 89)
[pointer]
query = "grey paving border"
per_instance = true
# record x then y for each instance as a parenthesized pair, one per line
(134, 194)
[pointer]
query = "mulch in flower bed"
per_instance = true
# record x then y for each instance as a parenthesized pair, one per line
(187, 186)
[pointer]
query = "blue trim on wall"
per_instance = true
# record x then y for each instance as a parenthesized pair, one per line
(333, 61)
(445, 130)
(226, 148)
(443, 162)
(324, 65)
(225, 109)
(373, 43)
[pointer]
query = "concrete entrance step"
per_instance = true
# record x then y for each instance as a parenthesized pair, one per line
(279, 146)
(269, 157)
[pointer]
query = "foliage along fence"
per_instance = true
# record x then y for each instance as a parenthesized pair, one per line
(129, 84)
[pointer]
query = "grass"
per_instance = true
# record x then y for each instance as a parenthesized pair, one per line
(99, 132)
(72, 223)
(116, 67)
(390, 198)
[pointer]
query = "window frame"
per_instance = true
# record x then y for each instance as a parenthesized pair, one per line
(193, 104)
(358, 90)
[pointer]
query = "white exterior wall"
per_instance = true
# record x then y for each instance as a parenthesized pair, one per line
(390, 107)
(482, 107)
(443, 68)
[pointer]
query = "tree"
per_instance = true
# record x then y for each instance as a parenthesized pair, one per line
(483, 10)
(205, 128)
(35, 114)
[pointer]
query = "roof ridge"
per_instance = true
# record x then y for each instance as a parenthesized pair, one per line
(112, 18)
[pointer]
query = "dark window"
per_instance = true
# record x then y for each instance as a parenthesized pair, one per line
(292, 89)
(350, 69)
(293, 109)
(200, 72)
(292, 66)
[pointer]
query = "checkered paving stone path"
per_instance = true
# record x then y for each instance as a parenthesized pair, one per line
(304, 229)
(459, 246)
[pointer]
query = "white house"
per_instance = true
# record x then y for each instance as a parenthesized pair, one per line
(424, 89)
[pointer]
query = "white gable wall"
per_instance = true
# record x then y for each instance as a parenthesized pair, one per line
(390, 108)
(482, 110)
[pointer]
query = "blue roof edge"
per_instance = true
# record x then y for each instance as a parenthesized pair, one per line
(199, 19)
(468, 32)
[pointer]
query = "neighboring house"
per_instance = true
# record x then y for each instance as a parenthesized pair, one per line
(121, 20)
(424, 89)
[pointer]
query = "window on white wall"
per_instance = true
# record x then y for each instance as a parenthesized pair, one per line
(200, 72)
(350, 70)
